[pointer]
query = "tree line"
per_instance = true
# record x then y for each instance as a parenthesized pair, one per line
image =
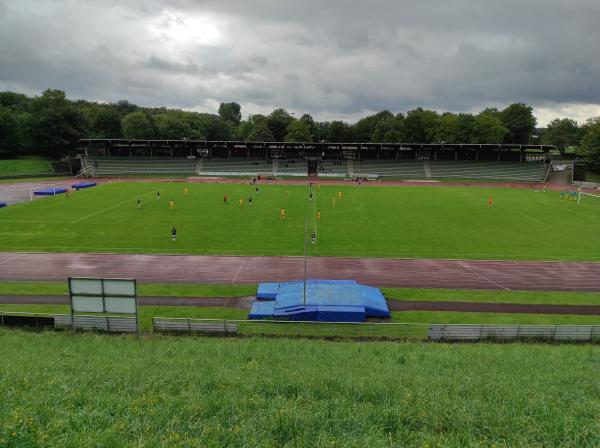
(50, 125)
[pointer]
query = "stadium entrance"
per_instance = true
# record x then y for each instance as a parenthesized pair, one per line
(312, 167)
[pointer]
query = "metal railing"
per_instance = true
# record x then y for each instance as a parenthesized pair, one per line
(116, 324)
(320, 330)
(380, 331)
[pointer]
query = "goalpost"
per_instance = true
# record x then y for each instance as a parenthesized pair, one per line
(586, 196)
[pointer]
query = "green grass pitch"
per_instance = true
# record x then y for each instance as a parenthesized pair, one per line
(421, 222)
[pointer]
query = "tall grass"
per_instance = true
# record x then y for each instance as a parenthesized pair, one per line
(60, 390)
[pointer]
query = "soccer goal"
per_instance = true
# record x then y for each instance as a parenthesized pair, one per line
(588, 198)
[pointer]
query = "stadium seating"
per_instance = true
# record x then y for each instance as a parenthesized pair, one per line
(235, 167)
(401, 169)
(333, 168)
(522, 171)
(292, 167)
(389, 168)
(139, 166)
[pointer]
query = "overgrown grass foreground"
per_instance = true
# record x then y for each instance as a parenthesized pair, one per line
(60, 390)
(421, 222)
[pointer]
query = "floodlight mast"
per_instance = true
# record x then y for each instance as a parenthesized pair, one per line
(304, 288)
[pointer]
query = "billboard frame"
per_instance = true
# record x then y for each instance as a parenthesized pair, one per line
(103, 295)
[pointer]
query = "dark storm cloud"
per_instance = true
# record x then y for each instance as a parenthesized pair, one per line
(332, 59)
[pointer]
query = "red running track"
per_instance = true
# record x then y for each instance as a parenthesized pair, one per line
(464, 274)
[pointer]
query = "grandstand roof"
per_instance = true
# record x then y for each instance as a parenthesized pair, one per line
(319, 146)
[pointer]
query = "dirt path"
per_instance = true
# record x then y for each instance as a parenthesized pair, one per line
(407, 273)
(245, 303)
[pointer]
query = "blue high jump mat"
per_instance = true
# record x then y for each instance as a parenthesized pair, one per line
(323, 301)
(3, 204)
(83, 185)
(50, 192)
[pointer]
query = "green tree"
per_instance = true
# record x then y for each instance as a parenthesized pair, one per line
(389, 130)
(106, 123)
(421, 125)
(56, 125)
(464, 132)
(590, 144)
(448, 128)
(488, 128)
(562, 133)
(9, 132)
(231, 113)
(298, 131)
(260, 133)
(364, 128)
(519, 120)
(339, 132)
(124, 107)
(278, 121)
(138, 125)
(172, 126)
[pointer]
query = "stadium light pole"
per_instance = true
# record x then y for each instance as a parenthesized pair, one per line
(304, 288)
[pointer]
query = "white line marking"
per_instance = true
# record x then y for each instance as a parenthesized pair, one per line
(485, 278)
(113, 206)
(239, 270)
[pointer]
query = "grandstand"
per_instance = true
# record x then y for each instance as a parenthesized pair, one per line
(234, 167)
(292, 167)
(138, 166)
(370, 160)
(521, 171)
(333, 168)
(389, 168)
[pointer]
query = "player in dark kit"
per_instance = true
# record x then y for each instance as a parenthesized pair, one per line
(173, 234)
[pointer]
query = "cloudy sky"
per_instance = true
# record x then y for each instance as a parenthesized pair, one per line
(331, 58)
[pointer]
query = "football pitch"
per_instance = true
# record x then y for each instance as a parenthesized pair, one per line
(367, 221)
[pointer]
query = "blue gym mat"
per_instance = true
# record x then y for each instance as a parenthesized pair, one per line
(83, 185)
(324, 300)
(49, 192)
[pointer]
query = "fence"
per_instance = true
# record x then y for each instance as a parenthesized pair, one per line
(116, 324)
(322, 330)
(390, 331)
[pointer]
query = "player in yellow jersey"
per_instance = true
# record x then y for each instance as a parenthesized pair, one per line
(171, 204)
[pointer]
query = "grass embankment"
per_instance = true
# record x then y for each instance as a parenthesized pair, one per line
(89, 390)
(25, 166)
(453, 222)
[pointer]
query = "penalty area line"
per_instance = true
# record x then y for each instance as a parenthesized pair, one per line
(113, 207)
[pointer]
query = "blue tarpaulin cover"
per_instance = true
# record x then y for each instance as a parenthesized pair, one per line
(262, 310)
(267, 291)
(3, 204)
(49, 191)
(335, 300)
(84, 185)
